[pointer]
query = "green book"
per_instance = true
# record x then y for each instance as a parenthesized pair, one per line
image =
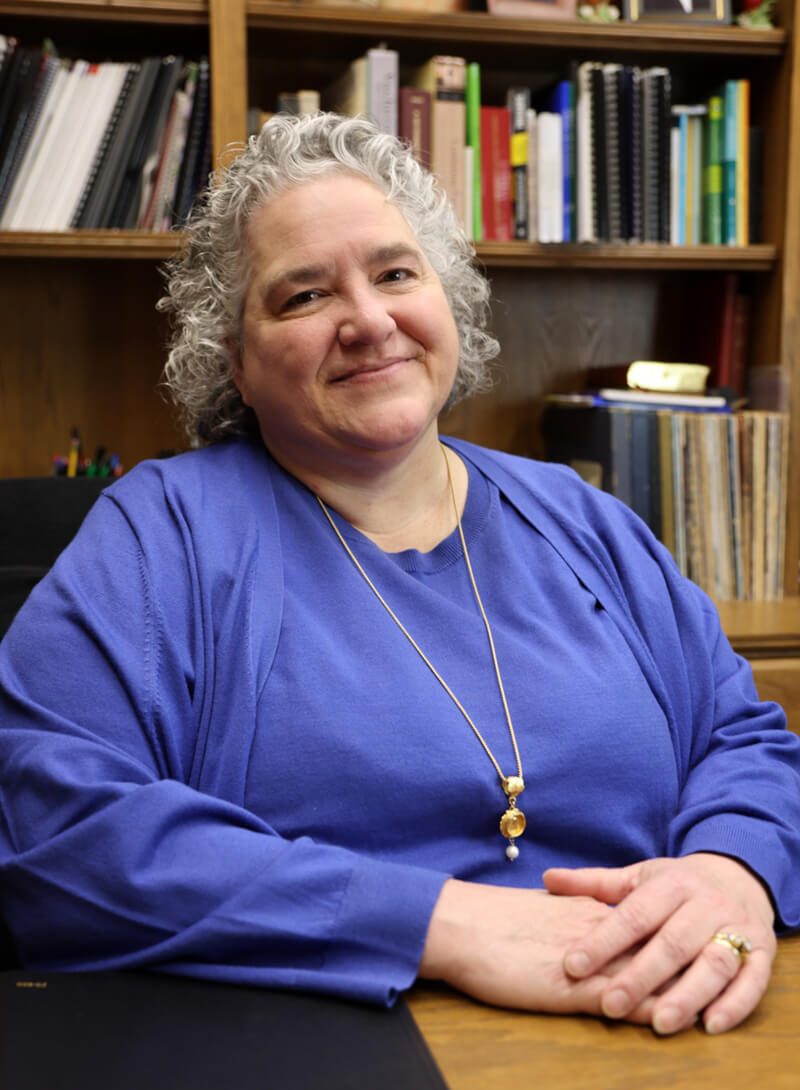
(712, 173)
(473, 140)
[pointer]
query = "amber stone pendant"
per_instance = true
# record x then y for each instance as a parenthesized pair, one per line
(512, 823)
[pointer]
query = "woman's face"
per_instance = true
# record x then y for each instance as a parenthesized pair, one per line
(348, 344)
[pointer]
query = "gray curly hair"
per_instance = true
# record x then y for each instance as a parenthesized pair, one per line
(207, 280)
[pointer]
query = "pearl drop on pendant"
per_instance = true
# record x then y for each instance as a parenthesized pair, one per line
(512, 851)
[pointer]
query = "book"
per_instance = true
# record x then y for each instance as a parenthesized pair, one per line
(742, 177)
(103, 84)
(656, 127)
(712, 173)
(445, 78)
(549, 185)
(101, 203)
(414, 122)
(585, 189)
(22, 126)
(142, 160)
(563, 103)
(600, 186)
(729, 151)
(382, 88)
(474, 186)
(518, 102)
(615, 173)
(631, 150)
(197, 155)
(532, 174)
(348, 94)
(496, 174)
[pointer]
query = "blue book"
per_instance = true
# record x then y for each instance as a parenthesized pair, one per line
(729, 147)
(563, 103)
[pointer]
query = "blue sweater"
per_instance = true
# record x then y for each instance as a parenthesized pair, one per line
(219, 755)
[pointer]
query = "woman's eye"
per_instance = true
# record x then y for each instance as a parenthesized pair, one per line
(397, 276)
(301, 299)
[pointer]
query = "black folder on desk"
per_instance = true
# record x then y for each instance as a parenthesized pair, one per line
(140, 1031)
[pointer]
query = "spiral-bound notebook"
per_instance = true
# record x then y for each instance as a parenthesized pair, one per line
(139, 1031)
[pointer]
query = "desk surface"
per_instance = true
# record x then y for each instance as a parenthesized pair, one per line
(478, 1047)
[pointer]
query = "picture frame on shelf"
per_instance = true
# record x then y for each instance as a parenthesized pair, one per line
(677, 11)
(534, 9)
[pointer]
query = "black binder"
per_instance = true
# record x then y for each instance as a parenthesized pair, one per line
(150, 1031)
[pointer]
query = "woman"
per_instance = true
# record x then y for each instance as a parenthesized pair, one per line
(283, 710)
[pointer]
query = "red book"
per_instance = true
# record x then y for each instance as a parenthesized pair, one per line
(414, 122)
(496, 173)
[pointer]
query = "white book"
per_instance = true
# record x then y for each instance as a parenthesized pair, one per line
(584, 165)
(532, 176)
(101, 87)
(155, 216)
(57, 148)
(675, 185)
(550, 177)
(19, 196)
(382, 88)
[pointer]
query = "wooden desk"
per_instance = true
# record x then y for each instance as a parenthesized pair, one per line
(481, 1048)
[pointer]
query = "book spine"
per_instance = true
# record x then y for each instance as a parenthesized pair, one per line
(712, 177)
(729, 141)
(472, 95)
(550, 182)
(496, 170)
(518, 101)
(742, 161)
(414, 122)
(563, 103)
(383, 81)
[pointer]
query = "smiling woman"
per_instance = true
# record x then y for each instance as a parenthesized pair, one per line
(333, 702)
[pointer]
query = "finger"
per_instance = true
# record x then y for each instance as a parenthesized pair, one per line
(675, 945)
(703, 987)
(607, 884)
(741, 997)
(633, 920)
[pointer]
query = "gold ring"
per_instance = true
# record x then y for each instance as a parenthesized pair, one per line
(738, 943)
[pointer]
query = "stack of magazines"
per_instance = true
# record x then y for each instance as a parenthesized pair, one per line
(100, 145)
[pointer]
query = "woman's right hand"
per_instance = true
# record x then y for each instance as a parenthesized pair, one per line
(506, 947)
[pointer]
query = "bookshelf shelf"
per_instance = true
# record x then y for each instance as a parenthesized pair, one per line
(639, 256)
(190, 12)
(88, 244)
(487, 30)
(509, 255)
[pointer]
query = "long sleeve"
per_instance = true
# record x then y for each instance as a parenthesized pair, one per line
(121, 842)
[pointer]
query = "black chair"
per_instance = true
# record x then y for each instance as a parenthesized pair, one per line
(39, 516)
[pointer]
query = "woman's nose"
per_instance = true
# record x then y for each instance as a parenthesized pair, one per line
(365, 318)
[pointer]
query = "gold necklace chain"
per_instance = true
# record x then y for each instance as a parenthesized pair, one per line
(512, 823)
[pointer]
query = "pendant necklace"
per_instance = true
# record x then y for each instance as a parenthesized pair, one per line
(512, 822)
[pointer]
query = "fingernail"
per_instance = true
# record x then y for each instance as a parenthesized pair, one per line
(616, 1003)
(667, 1020)
(717, 1023)
(577, 964)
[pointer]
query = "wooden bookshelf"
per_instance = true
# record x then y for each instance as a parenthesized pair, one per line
(84, 345)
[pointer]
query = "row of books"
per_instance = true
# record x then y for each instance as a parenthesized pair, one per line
(602, 155)
(100, 145)
(714, 169)
(712, 485)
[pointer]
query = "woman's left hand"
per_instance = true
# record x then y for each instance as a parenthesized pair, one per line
(669, 910)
